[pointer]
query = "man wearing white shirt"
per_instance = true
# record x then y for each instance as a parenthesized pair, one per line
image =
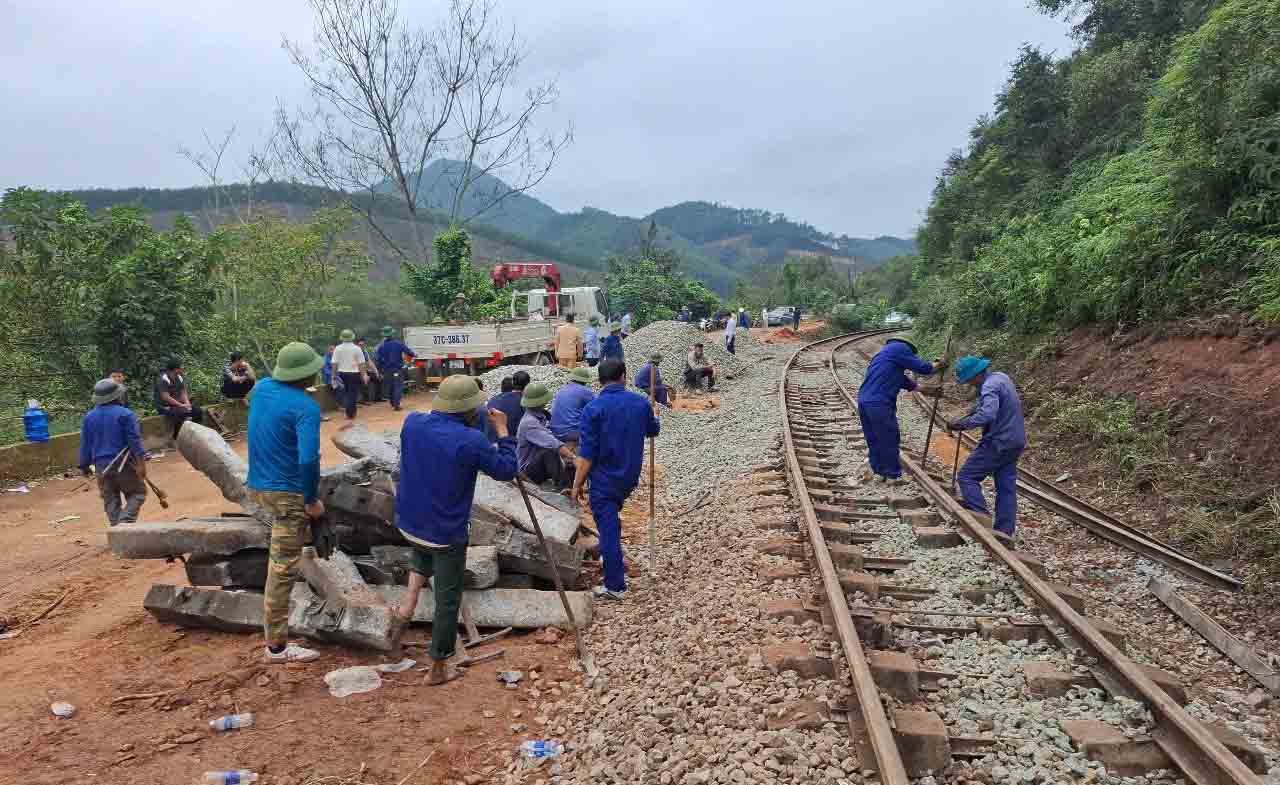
(349, 364)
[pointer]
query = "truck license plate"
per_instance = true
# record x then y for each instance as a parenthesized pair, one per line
(452, 339)
(457, 363)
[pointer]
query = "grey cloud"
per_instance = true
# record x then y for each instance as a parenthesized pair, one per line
(837, 113)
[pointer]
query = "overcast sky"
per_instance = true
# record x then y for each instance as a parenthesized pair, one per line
(836, 112)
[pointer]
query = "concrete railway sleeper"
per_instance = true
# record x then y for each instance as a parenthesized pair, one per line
(958, 651)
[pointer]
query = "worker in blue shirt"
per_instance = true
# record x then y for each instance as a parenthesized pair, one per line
(440, 455)
(508, 402)
(611, 346)
(567, 406)
(284, 479)
(999, 413)
(389, 358)
(878, 403)
(649, 373)
(111, 442)
(684, 316)
(591, 342)
(743, 320)
(611, 452)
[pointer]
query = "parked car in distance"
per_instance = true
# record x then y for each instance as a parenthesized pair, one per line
(781, 315)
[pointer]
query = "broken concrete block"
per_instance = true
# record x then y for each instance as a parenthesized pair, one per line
(359, 442)
(246, 568)
(348, 623)
(519, 608)
(206, 450)
(229, 611)
(796, 655)
(520, 551)
(482, 567)
(216, 536)
(337, 578)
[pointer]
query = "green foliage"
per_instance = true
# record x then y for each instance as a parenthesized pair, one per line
(82, 293)
(435, 284)
(654, 286)
(1138, 178)
(282, 282)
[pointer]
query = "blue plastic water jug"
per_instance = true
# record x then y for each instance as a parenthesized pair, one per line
(36, 422)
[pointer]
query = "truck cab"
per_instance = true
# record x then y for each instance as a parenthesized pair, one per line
(582, 301)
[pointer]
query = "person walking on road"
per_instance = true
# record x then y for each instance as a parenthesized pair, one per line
(568, 343)
(111, 442)
(999, 414)
(567, 406)
(627, 319)
(878, 403)
(390, 358)
(591, 342)
(173, 399)
(349, 367)
(284, 479)
(744, 321)
(441, 454)
(611, 453)
(730, 333)
(795, 319)
(372, 390)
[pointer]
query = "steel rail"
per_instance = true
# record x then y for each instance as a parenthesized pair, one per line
(1044, 493)
(875, 723)
(1040, 491)
(1189, 744)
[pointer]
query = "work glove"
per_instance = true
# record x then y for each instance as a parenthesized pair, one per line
(324, 538)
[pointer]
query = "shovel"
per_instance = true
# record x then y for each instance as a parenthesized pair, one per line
(584, 656)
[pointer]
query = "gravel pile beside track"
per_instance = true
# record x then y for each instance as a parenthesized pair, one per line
(1114, 581)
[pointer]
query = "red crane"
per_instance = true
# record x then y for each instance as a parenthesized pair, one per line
(506, 272)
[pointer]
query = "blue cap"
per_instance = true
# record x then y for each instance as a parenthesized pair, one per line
(969, 367)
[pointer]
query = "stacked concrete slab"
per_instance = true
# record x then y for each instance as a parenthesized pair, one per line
(344, 599)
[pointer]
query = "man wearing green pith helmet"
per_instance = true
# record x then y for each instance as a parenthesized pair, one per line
(284, 478)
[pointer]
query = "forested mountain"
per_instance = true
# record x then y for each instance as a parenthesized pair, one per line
(1137, 178)
(717, 244)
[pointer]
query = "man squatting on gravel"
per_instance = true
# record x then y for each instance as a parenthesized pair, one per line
(611, 453)
(440, 455)
(878, 403)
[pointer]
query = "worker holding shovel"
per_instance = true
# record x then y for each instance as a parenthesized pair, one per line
(111, 442)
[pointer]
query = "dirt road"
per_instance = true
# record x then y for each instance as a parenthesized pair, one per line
(99, 645)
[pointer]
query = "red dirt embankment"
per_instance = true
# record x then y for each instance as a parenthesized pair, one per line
(1220, 386)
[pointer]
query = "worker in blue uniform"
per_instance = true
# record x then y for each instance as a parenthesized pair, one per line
(1004, 436)
(611, 346)
(878, 403)
(649, 374)
(111, 442)
(570, 400)
(611, 453)
(441, 454)
(390, 357)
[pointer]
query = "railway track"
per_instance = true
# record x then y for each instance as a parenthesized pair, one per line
(982, 606)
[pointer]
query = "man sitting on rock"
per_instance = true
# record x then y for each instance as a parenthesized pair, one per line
(541, 455)
(440, 455)
(698, 367)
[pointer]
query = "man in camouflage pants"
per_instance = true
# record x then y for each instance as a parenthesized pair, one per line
(284, 478)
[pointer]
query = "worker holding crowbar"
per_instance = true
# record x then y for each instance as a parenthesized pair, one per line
(878, 404)
(611, 452)
(928, 436)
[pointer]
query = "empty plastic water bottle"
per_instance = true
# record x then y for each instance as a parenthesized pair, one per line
(229, 777)
(231, 722)
(36, 422)
(541, 749)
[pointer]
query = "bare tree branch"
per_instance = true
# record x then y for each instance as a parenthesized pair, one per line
(389, 101)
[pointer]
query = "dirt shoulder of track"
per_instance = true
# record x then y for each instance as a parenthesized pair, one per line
(99, 646)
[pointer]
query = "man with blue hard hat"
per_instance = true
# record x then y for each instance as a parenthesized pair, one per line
(878, 403)
(999, 413)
